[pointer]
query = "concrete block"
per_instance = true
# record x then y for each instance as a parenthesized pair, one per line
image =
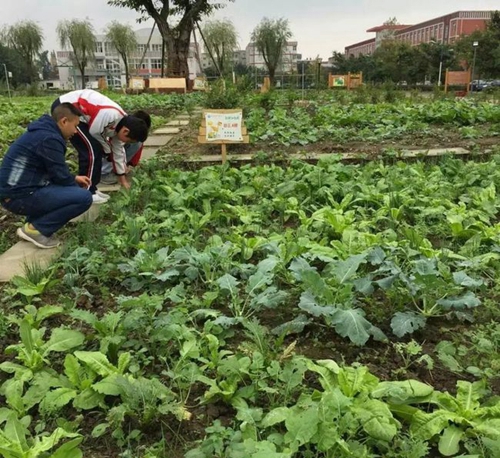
(22, 254)
(109, 187)
(435, 152)
(183, 116)
(166, 131)
(177, 122)
(149, 152)
(157, 140)
(90, 215)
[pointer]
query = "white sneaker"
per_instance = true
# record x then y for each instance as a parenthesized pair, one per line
(101, 194)
(97, 199)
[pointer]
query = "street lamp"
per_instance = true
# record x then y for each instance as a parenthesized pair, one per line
(475, 44)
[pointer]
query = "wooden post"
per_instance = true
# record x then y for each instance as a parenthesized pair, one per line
(223, 148)
(446, 82)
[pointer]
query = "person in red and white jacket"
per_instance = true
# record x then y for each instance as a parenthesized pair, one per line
(104, 130)
(133, 152)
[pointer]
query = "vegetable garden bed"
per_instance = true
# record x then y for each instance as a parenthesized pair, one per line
(314, 310)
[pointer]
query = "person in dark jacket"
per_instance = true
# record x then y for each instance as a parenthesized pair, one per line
(35, 180)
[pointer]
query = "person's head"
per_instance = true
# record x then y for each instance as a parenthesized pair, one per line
(67, 118)
(132, 129)
(141, 114)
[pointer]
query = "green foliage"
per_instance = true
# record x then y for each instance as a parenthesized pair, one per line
(26, 37)
(270, 39)
(222, 95)
(78, 36)
(221, 38)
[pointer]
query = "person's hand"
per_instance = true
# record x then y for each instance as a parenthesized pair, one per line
(122, 179)
(83, 181)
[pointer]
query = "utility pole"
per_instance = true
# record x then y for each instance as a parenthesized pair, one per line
(7, 75)
(475, 44)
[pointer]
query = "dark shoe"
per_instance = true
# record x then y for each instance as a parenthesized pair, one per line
(109, 178)
(40, 240)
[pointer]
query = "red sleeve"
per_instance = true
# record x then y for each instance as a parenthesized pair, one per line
(136, 158)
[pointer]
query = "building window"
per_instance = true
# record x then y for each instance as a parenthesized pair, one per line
(156, 63)
(141, 48)
(98, 46)
(109, 48)
(156, 47)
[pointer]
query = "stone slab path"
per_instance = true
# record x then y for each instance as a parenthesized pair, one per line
(316, 156)
(22, 254)
(14, 260)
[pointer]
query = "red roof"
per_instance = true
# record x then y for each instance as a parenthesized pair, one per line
(379, 28)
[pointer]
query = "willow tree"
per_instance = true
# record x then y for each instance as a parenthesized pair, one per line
(78, 35)
(123, 39)
(175, 20)
(26, 37)
(270, 38)
(221, 39)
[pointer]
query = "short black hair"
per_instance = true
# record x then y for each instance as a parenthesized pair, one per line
(137, 127)
(141, 114)
(65, 110)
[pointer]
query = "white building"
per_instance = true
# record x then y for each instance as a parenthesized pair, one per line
(145, 62)
(289, 58)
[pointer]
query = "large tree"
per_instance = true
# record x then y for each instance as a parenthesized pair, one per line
(78, 35)
(270, 38)
(175, 20)
(221, 39)
(487, 51)
(26, 38)
(123, 38)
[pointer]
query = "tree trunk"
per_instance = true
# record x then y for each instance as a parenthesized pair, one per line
(177, 50)
(82, 73)
(272, 72)
(127, 72)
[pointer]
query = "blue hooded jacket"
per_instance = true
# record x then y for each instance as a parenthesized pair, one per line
(34, 160)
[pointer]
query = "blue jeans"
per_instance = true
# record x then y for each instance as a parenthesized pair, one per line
(51, 207)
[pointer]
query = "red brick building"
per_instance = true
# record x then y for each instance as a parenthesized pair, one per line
(444, 29)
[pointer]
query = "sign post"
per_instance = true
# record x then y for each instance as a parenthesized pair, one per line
(457, 79)
(223, 127)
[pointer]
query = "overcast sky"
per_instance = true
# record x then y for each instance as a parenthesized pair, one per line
(320, 26)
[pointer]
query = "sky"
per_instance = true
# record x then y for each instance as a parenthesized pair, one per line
(319, 26)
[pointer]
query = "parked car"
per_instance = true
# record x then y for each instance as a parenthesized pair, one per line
(478, 85)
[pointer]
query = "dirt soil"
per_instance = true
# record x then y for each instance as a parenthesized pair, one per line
(186, 143)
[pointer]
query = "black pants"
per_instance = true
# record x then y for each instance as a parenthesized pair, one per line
(90, 153)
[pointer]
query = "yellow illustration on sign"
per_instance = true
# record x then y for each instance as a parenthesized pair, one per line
(223, 126)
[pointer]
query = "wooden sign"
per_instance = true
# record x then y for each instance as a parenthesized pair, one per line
(223, 127)
(350, 81)
(355, 80)
(337, 80)
(136, 84)
(199, 84)
(457, 79)
(168, 84)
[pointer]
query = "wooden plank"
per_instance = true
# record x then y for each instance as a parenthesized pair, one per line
(237, 110)
(203, 139)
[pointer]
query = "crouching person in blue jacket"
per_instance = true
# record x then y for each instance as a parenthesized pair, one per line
(35, 180)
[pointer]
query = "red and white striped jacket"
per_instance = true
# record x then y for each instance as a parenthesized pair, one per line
(102, 115)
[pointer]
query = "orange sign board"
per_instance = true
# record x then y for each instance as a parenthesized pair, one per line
(457, 79)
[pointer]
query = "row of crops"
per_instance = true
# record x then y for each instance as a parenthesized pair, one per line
(278, 122)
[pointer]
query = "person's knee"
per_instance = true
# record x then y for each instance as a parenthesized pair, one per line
(84, 199)
(87, 202)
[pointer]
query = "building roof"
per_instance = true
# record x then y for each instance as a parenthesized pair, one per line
(382, 27)
(361, 43)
